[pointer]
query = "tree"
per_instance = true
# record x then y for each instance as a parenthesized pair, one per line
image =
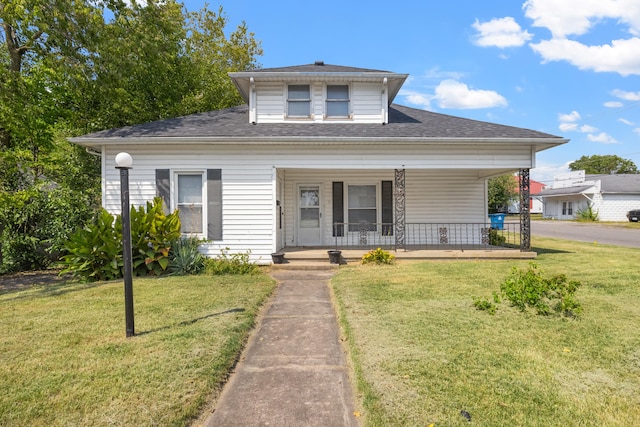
(606, 164)
(502, 191)
(69, 68)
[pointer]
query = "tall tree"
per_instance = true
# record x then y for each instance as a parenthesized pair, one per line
(502, 190)
(72, 67)
(606, 164)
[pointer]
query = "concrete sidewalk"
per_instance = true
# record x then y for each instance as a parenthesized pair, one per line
(293, 371)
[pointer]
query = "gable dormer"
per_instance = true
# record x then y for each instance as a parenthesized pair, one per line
(318, 93)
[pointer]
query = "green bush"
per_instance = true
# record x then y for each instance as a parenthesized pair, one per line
(185, 258)
(587, 214)
(36, 222)
(94, 252)
(226, 263)
(378, 256)
(547, 295)
(152, 234)
(496, 238)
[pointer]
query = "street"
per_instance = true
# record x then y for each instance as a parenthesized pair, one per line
(587, 232)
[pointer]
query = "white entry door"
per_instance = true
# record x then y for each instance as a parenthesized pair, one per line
(309, 214)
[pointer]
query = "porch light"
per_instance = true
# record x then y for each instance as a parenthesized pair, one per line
(124, 161)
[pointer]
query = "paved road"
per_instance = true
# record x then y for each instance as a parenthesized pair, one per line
(587, 232)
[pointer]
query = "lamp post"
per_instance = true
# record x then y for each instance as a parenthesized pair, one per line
(123, 163)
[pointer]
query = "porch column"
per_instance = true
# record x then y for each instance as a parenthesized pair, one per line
(525, 218)
(399, 203)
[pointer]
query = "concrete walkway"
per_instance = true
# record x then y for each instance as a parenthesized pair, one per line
(293, 371)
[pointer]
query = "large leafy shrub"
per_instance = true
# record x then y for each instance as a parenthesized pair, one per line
(95, 251)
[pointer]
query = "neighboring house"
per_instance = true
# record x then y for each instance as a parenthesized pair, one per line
(535, 203)
(610, 196)
(319, 157)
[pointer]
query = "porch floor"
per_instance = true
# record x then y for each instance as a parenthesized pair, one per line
(301, 255)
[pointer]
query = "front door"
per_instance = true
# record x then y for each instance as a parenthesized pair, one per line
(309, 214)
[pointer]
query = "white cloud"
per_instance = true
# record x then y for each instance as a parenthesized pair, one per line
(568, 18)
(637, 130)
(568, 127)
(576, 17)
(613, 104)
(626, 122)
(602, 137)
(621, 56)
(417, 98)
(545, 173)
(500, 32)
(587, 129)
(627, 96)
(574, 116)
(455, 94)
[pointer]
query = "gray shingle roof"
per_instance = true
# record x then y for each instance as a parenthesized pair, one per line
(404, 122)
(566, 191)
(619, 183)
(318, 66)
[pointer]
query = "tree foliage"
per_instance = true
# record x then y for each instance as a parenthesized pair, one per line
(69, 68)
(604, 164)
(502, 190)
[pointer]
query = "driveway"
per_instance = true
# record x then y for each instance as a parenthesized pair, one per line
(587, 232)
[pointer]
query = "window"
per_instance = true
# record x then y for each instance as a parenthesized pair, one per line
(189, 202)
(362, 213)
(567, 208)
(337, 101)
(299, 101)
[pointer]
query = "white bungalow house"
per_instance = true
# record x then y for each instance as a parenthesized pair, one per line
(320, 157)
(609, 196)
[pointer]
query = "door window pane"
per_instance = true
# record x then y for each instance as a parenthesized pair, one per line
(310, 207)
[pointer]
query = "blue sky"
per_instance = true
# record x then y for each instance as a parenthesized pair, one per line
(570, 68)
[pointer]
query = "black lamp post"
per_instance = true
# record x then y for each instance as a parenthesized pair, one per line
(124, 162)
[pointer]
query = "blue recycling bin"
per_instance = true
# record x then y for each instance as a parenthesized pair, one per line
(497, 221)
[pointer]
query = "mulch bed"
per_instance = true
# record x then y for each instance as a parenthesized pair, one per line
(23, 280)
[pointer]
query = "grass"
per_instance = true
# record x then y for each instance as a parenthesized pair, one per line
(422, 353)
(66, 361)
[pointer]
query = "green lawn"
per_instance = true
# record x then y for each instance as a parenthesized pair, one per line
(422, 353)
(65, 359)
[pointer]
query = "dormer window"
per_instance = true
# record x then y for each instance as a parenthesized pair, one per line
(337, 100)
(299, 101)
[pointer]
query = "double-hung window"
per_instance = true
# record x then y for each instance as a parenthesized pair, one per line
(190, 205)
(567, 208)
(337, 101)
(362, 207)
(298, 101)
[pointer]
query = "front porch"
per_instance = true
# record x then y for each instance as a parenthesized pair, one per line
(301, 257)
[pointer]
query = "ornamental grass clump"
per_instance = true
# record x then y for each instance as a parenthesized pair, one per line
(378, 256)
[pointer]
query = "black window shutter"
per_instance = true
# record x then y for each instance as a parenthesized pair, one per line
(338, 208)
(214, 204)
(163, 188)
(387, 208)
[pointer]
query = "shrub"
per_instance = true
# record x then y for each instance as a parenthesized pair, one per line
(378, 256)
(185, 258)
(496, 238)
(587, 214)
(152, 234)
(95, 251)
(226, 263)
(530, 289)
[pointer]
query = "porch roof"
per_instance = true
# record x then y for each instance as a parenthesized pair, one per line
(566, 191)
(406, 125)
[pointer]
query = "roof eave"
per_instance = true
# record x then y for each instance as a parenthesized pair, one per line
(320, 140)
